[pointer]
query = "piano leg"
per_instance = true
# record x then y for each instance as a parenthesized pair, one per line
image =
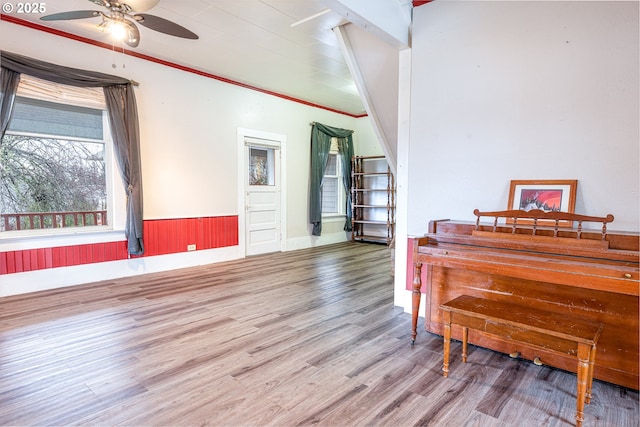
(415, 300)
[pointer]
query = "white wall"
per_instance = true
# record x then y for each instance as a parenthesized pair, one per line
(504, 90)
(523, 90)
(188, 127)
(365, 141)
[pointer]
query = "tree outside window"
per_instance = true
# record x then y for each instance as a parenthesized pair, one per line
(52, 167)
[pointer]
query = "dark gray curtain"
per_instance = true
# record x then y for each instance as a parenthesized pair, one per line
(320, 145)
(58, 73)
(10, 80)
(121, 104)
(123, 117)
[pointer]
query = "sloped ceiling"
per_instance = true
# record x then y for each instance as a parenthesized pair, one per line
(286, 47)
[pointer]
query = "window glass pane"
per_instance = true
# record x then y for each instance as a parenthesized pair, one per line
(49, 118)
(330, 195)
(332, 165)
(53, 161)
(51, 183)
(261, 166)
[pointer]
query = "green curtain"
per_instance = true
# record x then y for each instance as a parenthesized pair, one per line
(345, 147)
(320, 145)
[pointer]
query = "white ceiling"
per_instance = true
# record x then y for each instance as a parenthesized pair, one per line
(247, 41)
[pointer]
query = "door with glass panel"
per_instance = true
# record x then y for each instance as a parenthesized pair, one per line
(262, 201)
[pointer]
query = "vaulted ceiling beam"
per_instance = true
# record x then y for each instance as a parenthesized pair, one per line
(389, 20)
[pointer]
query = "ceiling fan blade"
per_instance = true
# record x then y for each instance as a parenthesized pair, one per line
(76, 14)
(164, 26)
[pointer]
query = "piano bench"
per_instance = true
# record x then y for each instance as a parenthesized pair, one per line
(563, 334)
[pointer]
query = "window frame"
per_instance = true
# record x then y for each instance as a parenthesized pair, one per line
(341, 193)
(115, 195)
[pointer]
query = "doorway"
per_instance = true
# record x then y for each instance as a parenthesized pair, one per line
(263, 196)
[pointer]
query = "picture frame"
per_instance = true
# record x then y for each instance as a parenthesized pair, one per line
(545, 195)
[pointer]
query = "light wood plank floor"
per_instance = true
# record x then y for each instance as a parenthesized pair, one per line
(299, 338)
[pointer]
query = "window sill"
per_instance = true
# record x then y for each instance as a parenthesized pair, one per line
(333, 217)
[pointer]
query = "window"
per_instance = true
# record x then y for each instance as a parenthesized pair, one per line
(54, 159)
(333, 193)
(261, 166)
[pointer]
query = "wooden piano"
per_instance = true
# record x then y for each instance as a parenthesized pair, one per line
(528, 259)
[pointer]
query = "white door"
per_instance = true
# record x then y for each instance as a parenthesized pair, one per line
(262, 201)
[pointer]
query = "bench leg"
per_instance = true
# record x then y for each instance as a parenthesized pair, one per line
(465, 337)
(584, 357)
(592, 362)
(447, 343)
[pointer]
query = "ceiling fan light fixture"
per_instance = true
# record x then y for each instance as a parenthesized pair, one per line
(117, 30)
(104, 25)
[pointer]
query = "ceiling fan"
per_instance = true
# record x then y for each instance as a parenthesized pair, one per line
(121, 18)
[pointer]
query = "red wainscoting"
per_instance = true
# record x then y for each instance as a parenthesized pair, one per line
(166, 236)
(60, 256)
(169, 236)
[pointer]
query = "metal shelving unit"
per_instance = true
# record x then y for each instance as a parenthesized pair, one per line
(373, 201)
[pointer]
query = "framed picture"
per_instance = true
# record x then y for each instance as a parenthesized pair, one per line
(545, 195)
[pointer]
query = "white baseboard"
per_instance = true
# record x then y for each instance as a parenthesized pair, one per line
(313, 241)
(53, 278)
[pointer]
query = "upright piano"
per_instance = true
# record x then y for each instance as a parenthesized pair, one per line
(529, 259)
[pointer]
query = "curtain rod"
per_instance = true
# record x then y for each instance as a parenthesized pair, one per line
(134, 83)
(313, 123)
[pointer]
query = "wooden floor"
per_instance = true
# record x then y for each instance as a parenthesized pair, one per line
(299, 338)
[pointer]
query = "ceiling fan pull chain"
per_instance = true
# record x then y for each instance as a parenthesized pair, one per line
(113, 54)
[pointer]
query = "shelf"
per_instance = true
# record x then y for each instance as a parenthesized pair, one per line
(375, 190)
(377, 239)
(370, 173)
(369, 221)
